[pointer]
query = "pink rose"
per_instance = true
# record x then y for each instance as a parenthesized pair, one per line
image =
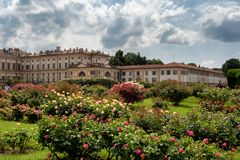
(125, 146)
(126, 122)
(224, 145)
(85, 146)
(115, 146)
(190, 133)
(120, 129)
(181, 150)
(206, 141)
(138, 152)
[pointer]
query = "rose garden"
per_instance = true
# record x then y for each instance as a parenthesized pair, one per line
(100, 119)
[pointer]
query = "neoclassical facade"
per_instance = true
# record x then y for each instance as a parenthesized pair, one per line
(56, 65)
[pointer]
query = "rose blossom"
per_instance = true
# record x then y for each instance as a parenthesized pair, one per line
(85, 146)
(138, 152)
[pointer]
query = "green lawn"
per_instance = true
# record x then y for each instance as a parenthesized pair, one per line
(32, 128)
(185, 106)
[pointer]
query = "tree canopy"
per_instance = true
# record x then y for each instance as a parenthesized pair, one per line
(131, 58)
(230, 64)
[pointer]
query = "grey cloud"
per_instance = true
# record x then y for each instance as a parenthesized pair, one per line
(24, 2)
(8, 26)
(48, 22)
(120, 31)
(228, 31)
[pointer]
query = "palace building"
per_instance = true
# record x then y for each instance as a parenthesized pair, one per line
(56, 65)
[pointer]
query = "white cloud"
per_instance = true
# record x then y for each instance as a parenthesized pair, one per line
(92, 22)
(208, 63)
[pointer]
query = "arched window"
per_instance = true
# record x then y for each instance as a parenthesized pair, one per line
(82, 74)
(107, 74)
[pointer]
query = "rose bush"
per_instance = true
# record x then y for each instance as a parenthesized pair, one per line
(130, 91)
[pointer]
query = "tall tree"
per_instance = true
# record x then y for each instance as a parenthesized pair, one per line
(230, 64)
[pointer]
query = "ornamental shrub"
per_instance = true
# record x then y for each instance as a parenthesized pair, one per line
(130, 91)
(93, 81)
(17, 139)
(64, 87)
(175, 93)
(198, 88)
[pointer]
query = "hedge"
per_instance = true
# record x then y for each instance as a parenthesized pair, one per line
(93, 81)
(233, 77)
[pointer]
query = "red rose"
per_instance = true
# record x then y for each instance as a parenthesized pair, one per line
(126, 122)
(125, 146)
(217, 154)
(173, 139)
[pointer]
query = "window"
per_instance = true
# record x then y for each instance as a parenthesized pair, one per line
(123, 79)
(146, 79)
(92, 72)
(154, 79)
(138, 73)
(27, 67)
(8, 66)
(146, 73)
(3, 65)
(38, 67)
(168, 72)
(153, 72)
(162, 72)
(59, 65)
(53, 65)
(48, 66)
(14, 66)
(43, 66)
(32, 67)
(123, 73)
(130, 73)
(129, 79)
(174, 72)
(66, 65)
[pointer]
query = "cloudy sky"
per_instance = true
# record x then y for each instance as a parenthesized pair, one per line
(205, 32)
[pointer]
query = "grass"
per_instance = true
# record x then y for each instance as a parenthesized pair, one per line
(32, 128)
(38, 155)
(185, 106)
(11, 125)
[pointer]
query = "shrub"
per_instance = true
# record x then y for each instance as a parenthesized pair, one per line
(159, 103)
(158, 87)
(198, 88)
(233, 77)
(130, 91)
(152, 120)
(17, 139)
(63, 86)
(93, 81)
(5, 109)
(175, 93)
(95, 90)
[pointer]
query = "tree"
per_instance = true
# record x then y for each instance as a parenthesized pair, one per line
(118, 59)
(154, 61)
(233, 77)
(192, 64)
(230, 64)
(131, 58)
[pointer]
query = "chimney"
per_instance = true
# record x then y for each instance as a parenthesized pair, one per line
(58, 48)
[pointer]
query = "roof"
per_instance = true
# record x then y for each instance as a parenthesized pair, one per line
(169, 65)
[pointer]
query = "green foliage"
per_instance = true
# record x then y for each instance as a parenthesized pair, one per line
(12, 82)
(156, 90)
(175, 93)
(198, 88)
(93, 81)
(131, 59)
(230, 64)
(97, 91)
(159, 103)
(17, 139)
(233, 77)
